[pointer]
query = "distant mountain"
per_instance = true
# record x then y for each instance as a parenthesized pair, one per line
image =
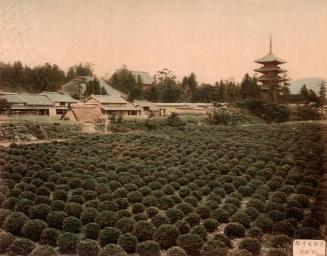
(312, 83)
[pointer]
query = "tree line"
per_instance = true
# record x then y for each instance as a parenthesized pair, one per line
(167, 89)
(17, 77)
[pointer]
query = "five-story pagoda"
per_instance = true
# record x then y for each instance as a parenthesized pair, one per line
(272, 75)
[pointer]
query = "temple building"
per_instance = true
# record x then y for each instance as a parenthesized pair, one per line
(272, 75)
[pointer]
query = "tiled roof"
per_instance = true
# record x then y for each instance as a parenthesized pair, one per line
(28, 99)
(270, 57)
(109, 99)
(121, 108)
(59, 97)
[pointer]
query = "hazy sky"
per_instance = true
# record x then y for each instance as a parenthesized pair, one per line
(216, 39)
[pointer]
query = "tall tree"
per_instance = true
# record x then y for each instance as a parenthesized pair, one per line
(322, 93)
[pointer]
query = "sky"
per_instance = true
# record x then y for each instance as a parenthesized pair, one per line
(215, 39)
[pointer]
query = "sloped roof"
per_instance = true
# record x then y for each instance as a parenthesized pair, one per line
(126, 107)
(84, 113)
(103, 99)
(145, 76)
(28, 99)
(110, 90)
(270, 57)
(184, 105)
(59, 97)
(13, 98)
(145, 103)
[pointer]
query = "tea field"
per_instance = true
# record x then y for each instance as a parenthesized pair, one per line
(204, 190)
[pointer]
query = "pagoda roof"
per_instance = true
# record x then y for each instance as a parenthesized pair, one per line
(270, 57)
(267, 69)
(270, 78)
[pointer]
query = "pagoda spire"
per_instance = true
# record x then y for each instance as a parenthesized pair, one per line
(270, 46)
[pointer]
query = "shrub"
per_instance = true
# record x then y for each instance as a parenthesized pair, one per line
(14, 222)
(224, 239)
(112, 250)
(55, 219)
(294, 212)
(150, 200)
(234, 229)
(283, 227)
(87, 248)
(21, 246)
(310, 222)
(125, 225)
(128, 242)
(281, 241)
(210, 224)
(242, 218)
(193, 219)
(148, 248)
(220, 215)
(213, 248)
(174, 215)
(276, 215)
(159, 220)
(60, 194)
(58, 205)
(166, 236)
(32, 229)
(251, 244)
(307, 233)
(252, 212)
(255, 232)
(23, 205)
(73, 209)
(109, 235)
(5, 240)
(135, 197)
(137, 208)
(39, 211)
(151, 211)
(143, 230)
(44, 250)
(191, 243)
(91, 230)
(71, 224)
(106, 219)
(107, 206)
(204, 211)
(67, 242)
(88, 215)
(49, 236)
(183, 226)
(263, 222)
(200, 230)
(176, 251)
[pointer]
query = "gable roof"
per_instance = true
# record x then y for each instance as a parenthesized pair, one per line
(106, 99)
(270, 57)
(145, 77)
(84, 113)
(59, 97)
(28, 99)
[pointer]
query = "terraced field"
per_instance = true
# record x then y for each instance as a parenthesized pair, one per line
(204, 190)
